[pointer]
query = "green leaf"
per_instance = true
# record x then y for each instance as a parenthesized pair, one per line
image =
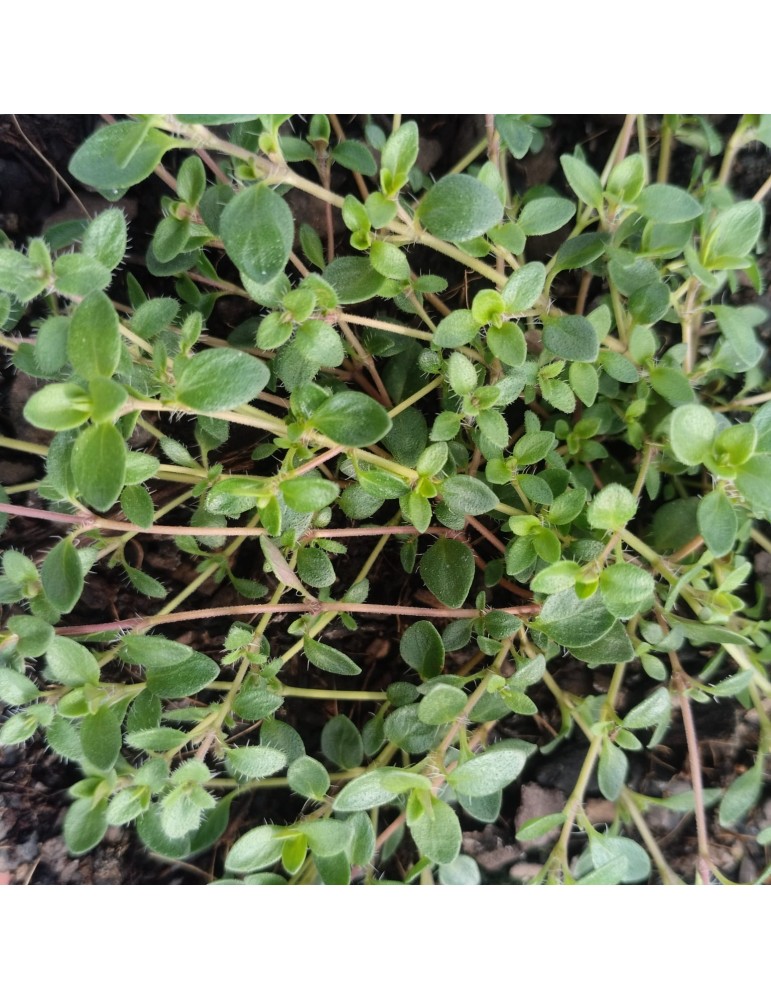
(606, 851)
(93, 343)
(84, 825)
(260, 848)
(99, 465)
(584, 381)
(354, 279)
(354, 155)
(23, 277)
(612, 770)
(691, 432)
(612, 647)
(100, 737)
(329, 659)
(33, 634)
(352, 419)
(462, 871)
(307, 494)
(435, 828)
(136, 503)
(377, 788)
(77, 275)
(254, 763)
(467, 495)
(742, 795)
(182, 678)
(107, 399)
(489, 772)
(507, 342)
(70, 663)
(571, 337)
(545, 215)
(341, 742)
(119, 156)
(458, 208)
(457, 329)
(672, 384)
(667, 203)
(389, 261)
(421, 647)
(583, 180)
(220, 378)
(308, 777)
(257, 229)
(158, 739)
(105, 238)
(649, 303)
(612, 508)
(574, 622)
(580, 251)
(461, 374)
(314, 567)
(651, 712)
(626, 589)
(540, 826)
(754, 483)
(62, 576)
(442, 704)
(524, 287)
(398, 158)
(554, 579)
(733, 235)
(447, 569)
(15, 688)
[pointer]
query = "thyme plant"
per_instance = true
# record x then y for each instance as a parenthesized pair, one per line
(508, 459)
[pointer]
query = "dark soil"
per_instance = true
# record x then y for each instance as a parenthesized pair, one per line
(33, 784)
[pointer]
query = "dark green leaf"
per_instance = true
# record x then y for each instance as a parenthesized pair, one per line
(573, 622)
(447, 569)
(356, 156)
(99, 465)
(545, 215)
(221, 378)
(354, 279)
(421, 647)
(353, 419)
(341, 742)
(100, 738)
(183, 678)
(571, 337)
(328, 658)
(62, 576)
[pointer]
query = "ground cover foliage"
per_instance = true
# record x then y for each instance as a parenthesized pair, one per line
(465, 473)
